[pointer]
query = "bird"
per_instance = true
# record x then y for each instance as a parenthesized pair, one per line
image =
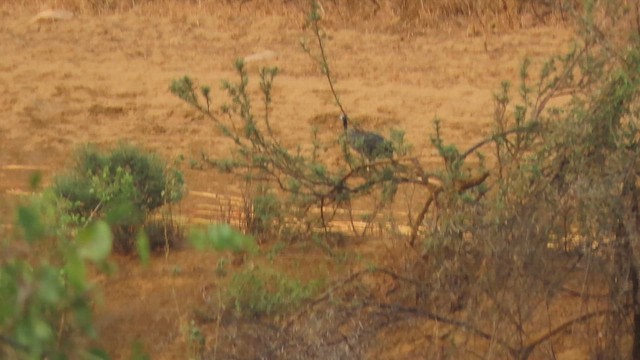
(366, 143)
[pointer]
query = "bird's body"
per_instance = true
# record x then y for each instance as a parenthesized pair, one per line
(367, 143)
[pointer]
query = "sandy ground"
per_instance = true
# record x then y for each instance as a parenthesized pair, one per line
(105, 78)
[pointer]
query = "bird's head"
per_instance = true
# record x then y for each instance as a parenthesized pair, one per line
(344, 119)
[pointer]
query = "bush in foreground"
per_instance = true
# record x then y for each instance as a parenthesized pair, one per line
(45, 297)
(127, 183)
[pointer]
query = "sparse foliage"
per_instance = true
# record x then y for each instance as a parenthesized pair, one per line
(260, 159)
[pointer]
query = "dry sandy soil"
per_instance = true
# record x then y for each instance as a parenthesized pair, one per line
(105, 78)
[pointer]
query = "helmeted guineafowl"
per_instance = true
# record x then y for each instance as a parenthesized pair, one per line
(367, 143)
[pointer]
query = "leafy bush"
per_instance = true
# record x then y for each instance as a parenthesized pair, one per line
(45, 298)
(562, 208)
(126, 183)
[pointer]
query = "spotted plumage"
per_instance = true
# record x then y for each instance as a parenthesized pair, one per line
(369, 144)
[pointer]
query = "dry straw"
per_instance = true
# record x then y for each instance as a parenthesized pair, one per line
(386, 14)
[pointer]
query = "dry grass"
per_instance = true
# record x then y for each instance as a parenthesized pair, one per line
(387, 14)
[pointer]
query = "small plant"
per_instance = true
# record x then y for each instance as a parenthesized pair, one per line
(262, 292)
(266, 214)
(221, 267)
(126, 183)
(195, 341)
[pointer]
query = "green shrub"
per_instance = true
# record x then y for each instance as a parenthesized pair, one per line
(221, 237)
(259, 291)
(125, 183)
(45, 297)
(266, 214)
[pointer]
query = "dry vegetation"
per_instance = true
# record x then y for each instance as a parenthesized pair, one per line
(510, 232)
(485, 15)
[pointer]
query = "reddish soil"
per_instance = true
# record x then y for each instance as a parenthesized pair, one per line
(105, 78)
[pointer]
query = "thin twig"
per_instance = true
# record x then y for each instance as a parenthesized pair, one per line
(495, 137)
(325, 296)
(324, 63)
(436, 317)
(527, 349)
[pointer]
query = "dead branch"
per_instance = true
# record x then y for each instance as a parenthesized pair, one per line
(525, 351)
(322, 298)
(435, 317)
(459, 186)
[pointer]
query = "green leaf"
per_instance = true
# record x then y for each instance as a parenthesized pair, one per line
(29, 221)
(224, 237)
(198, 239)
(41, 329)
(35, 180)
(142, 246)
(50, 290)
(84, 318)
(221, 237)
(95, 241)
(123, 212)
(75, 271)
